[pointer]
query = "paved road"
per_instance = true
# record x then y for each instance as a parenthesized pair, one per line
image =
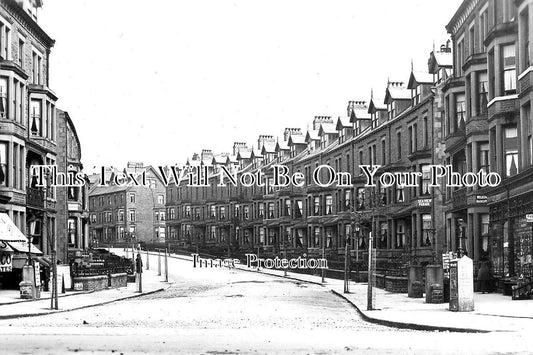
(215, 311)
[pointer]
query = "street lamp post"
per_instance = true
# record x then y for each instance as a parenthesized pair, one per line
(461, 250)
(346, 266)
(54, 296)
(323, 255)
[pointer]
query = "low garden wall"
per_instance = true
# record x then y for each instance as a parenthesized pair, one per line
(118, 280)
(90, 283)
(101, 282)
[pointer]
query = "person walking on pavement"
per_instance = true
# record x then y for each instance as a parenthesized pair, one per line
(484, 277)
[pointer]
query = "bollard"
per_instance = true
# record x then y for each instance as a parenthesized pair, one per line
(166, 266)
(147, 260)
(158, 262)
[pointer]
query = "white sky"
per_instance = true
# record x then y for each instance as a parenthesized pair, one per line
(156, 80)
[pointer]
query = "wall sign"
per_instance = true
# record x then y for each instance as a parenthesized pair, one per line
(6, 262)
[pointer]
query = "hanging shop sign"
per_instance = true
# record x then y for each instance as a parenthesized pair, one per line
(529, 217)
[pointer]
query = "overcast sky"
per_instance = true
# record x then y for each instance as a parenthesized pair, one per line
(154, 81)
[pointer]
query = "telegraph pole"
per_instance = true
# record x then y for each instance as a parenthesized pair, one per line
(323, 255)
(52, 240)
(346, 268)
(370, 277)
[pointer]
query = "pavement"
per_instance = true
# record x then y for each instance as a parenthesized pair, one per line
(493, 312)
(11, 306)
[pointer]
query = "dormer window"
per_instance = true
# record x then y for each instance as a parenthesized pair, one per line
(342, 135)
(323, 141)
(375, 119)
(391, 108)
(357, 127)
(417, 94)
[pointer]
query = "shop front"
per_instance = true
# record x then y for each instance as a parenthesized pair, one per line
(510, 239)
(14, 251)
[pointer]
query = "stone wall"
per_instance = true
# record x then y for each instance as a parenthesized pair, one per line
(397, 284)
(92, 283)
(118, 280)
(96, 283)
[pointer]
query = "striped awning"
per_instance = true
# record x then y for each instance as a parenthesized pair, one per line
(22, 247)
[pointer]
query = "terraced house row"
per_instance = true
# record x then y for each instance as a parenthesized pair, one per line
(470, 108)
(399, 132)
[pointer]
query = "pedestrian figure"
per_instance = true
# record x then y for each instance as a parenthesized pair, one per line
(484, 276)
(138, 273)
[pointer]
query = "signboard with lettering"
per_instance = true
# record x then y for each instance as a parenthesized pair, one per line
(37, 274)
(529, 217)
(454, 290)
(425, 202)
(6, 262)
(446, 257)
(481, 199)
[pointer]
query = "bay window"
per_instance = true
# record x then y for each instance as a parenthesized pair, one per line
(316, 206)
(427, 224)
(271, 210)
(511, 151)
(460, 111)
(483, 157)
(400, 193)
(482, 89)
(400, 235)
(3, 97)
(529, 131)
(35, 117)
(299, 209)
(347, 199)
(426, 178)
(261, 210)
(329, 204)
(316, 241)
(3, 164)
(509, 69)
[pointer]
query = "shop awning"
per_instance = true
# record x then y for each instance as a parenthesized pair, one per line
(22, 247)
(9, 231)
(44, 261)
(5, 248)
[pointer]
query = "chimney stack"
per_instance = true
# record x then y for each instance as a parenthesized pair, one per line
(321, 119)
(291, 132)
(265, 139)
(207, 154)
(238, 146)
